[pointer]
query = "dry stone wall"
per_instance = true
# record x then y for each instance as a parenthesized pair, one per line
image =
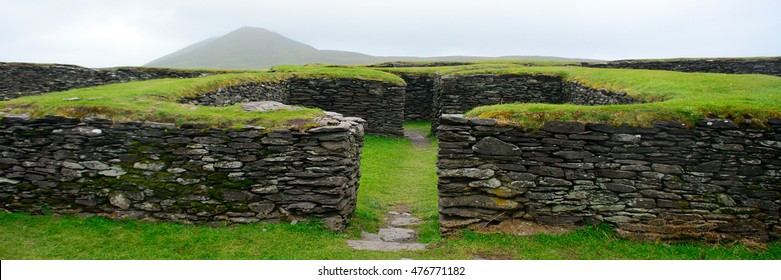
(190, 173)
(459, 94)
(768, 66)
(418, 97)
(380, 104)
(715, 181)
(22, 79)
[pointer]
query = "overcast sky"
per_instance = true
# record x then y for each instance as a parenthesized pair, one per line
(100, 33)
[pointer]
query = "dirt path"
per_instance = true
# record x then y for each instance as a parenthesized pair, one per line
(417, 137)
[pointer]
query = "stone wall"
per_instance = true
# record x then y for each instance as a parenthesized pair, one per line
(459, 94)
(22, 79)
(716, 181)
(190, 173)
(768, 66)
(380, 104)
(242, 93)
(418, 97)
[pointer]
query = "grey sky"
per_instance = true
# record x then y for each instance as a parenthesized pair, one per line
(133, 32)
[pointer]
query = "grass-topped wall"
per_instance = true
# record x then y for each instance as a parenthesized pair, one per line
(697, 157)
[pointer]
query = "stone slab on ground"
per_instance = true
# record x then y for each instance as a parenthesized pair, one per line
(384, 246)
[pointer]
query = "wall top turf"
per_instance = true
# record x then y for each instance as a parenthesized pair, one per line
(667, 96)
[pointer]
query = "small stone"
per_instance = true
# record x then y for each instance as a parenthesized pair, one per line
(71, 99)
(452, 119)
(228, 164)
(113, 172)
(72, 165)
(467, 173)
(547, 171)
(149, 166)
(119, 200)
(208, 167)
(626, 138)
(491, 183)
(8, 181)
(95, 165)
(396, 234)
(493, 146)
(264, 189)
(261, 207)
(563, 127)
(175, 170)
(667, 169)
(265, 106)
(726, 200)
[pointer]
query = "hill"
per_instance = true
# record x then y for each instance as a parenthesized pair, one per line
(251, 48)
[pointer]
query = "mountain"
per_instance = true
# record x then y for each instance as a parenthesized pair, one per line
(251, 48)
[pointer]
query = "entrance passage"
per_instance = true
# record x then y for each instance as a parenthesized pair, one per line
(397, 197)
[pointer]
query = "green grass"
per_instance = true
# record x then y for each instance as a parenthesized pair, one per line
(338, 71)
(396, 173)
(671, 96)
(156, 100)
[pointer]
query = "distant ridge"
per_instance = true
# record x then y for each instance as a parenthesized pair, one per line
(252, 48)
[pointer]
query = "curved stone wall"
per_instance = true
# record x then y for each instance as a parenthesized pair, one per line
(459, 94)
(380, 104)
(189, 173)
(768, 66)
(716, 181)
(22, 79)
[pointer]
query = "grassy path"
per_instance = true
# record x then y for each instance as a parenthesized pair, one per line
(396, 173)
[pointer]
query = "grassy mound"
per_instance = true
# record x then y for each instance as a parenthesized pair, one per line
(669, 96)
(156, 100)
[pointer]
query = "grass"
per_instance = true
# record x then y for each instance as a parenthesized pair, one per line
(671, 96)
(387, 182)
(156, 100)
(337, 71)
(397, 175)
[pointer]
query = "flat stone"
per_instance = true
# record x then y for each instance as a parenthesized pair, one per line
(479, 201)
(265, 106)
(8, 181)
(474, 173)
(119, 200)
(626, 138)
(547, 171)
(229, 164)
(396, 234)
(385, 246)
(667, 169)
(402, 221)
(490, 183)
(452, 119)
(563, 127)
(573, 154)
(95, 165)
(113, 172)
(264, 189)
(482, 121)
(493, 146)
(72, 165)
(149, 166)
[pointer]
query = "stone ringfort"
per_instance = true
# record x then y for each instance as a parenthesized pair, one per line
(717, 180)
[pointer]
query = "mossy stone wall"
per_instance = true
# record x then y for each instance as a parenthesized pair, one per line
(187, 173)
